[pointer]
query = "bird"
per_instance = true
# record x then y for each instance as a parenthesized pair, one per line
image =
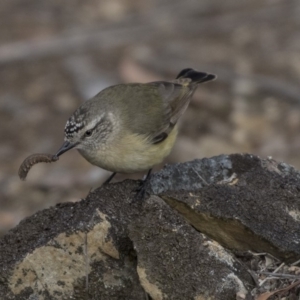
(128, 128)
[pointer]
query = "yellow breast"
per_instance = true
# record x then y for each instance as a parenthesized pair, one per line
(132, 153)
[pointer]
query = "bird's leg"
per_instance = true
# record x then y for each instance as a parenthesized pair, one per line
(140, 191)
(108, 180)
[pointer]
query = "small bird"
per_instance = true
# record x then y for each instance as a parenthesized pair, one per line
(128, 128)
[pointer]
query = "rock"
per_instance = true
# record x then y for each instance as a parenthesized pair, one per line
(110, 247)
(241, 201)
(177, 262)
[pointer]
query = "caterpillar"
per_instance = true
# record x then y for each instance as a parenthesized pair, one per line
(33, 159)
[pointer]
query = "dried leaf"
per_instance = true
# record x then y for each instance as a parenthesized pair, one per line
(267, 295)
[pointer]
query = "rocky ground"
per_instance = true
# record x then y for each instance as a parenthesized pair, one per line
(232, 232)
(54, 55)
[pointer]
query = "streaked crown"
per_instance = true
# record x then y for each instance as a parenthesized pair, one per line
(75, 123)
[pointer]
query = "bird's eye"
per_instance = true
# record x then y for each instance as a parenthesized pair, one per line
(88, 133)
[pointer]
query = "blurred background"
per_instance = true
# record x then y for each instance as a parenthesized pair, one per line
(56, 54)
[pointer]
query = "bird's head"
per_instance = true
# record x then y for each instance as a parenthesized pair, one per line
(88, 129)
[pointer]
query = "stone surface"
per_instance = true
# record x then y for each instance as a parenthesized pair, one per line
(247, 203)
(71, 251)
(177, 262)
(110, 247)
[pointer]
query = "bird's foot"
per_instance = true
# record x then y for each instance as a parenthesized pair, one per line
(141, 189)
(108, 180)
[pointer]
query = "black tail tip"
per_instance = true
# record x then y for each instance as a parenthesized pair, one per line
(195, 75)
(183, 73)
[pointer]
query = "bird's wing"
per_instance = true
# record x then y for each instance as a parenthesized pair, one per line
(159, 105)
(175, 99)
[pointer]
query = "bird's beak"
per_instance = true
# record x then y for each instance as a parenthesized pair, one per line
(64, 148)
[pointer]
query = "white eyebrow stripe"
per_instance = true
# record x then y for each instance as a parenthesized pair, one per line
(93, 123)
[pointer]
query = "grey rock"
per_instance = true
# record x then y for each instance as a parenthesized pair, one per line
(110, 247)
(248, 204)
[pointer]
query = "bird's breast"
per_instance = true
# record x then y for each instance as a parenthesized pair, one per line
(131, 153)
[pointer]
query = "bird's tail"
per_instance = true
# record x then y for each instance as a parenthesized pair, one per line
(195, 76)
